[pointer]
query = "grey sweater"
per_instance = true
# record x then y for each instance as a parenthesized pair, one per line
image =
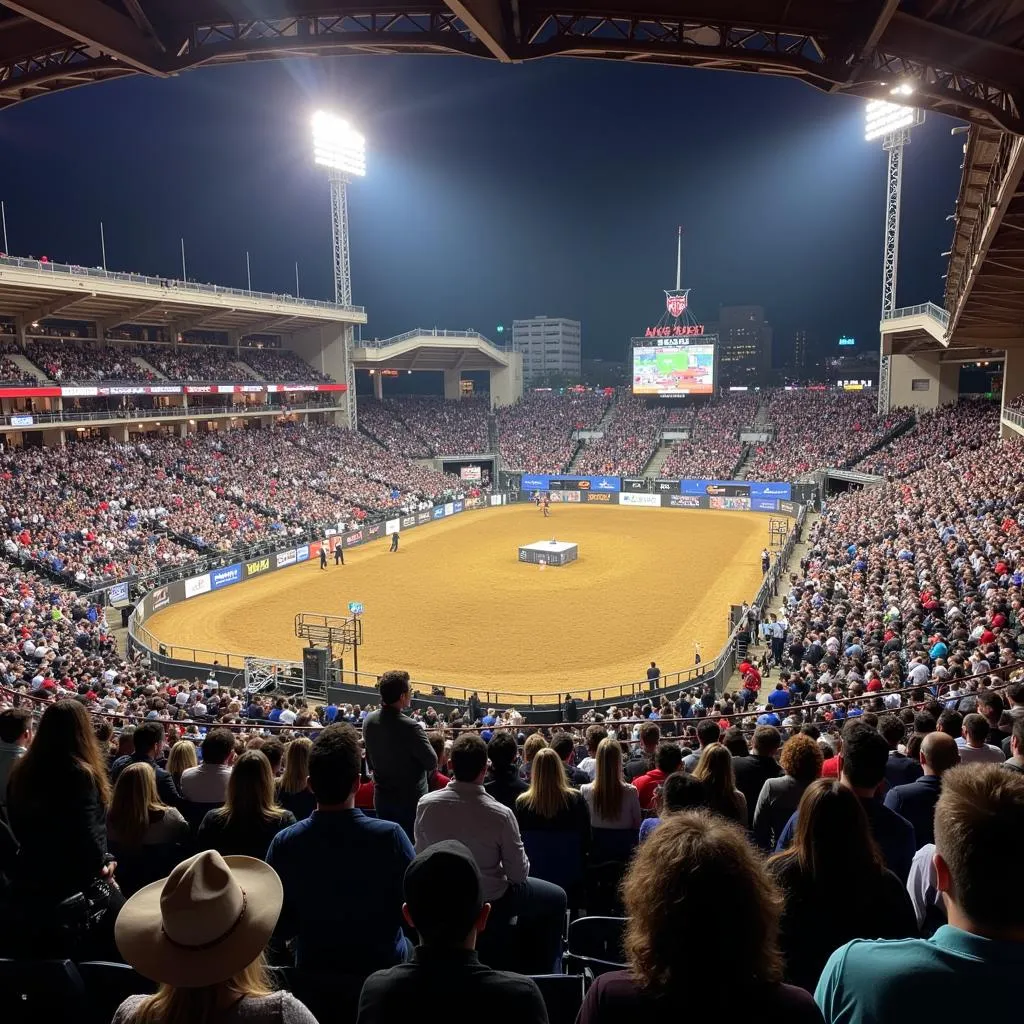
(278, 1008)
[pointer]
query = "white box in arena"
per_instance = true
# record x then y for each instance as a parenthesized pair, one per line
(549, 552)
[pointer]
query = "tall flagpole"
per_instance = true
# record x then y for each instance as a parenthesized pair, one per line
(248, 272)
(3, 216)
(103, 246)
(184, 276)
(679, 259)
(297, 279)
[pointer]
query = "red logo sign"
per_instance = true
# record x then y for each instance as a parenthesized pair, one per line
(676, 302)
(677, 331)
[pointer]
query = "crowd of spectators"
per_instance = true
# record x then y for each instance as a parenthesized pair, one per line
(630, 439)
(816, 429)
(417, 427)
(282, 366)
(10, 372)
(713, 450)
(69, 361)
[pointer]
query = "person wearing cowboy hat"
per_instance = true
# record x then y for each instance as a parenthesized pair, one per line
(200, 933)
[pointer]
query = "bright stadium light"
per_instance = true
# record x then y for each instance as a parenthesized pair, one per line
(337, 145)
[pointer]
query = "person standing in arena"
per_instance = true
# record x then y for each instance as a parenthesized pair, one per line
(546, 506)
(394, 541)
(339, 553)
(323, 558)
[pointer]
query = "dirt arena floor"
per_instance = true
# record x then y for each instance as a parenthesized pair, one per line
(455, 606)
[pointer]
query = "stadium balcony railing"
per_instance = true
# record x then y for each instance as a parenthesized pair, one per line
(1014, 416)
(432, 332)
(921, 309)
(167, 413)
(167, 282)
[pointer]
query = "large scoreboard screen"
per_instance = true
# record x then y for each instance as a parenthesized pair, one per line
(674, 369)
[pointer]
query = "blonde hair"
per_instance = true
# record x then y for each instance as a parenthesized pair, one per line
(172, 1005)
(549, 791)
(181, 758)
(296, 766)
(250, 790)
(534, 743)
(609, 789)
(134, 805)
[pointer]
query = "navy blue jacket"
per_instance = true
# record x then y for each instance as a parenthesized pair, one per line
(916, 802)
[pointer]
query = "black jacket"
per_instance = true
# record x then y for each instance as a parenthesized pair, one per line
(916, 802)
(751, 773)
(505, 786)
(901, 770)
(400, 754)
(428, 981)
(244, 839)
(165, 787)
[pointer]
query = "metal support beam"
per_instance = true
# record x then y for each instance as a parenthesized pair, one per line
(55, 305)
(894, 143)
(267, 326)
(97, 25)
(484, 18)
(131, 315)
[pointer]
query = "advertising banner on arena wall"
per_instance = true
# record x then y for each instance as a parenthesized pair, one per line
(225, 577)
(161, 598)
(438, 512)
(666, 486)
(496, 500)
(373, 531)
(449, 508)
(408, 522)
(633, 484)
(197, 585)
(789, 508)
(685, 501)
(546, 482)
(729, 503)
(764, 504)
(392, 526)
(771, 490)
(353, 538)
(257, 566)
(601, 498)
(303, 554)
(641, 500)
(458, 506)
(738, 488)
(575, 496)
(422, 518)
(118, 593)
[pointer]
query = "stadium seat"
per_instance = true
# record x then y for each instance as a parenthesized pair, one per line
(563, 996)
(613, 844)
(557, 857)
(108, 985)
(595, 945)
(194, 813)
(37, 991)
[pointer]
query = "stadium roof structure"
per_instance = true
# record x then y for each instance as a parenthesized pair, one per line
(33, 290)
(964, 57)
(430, 349)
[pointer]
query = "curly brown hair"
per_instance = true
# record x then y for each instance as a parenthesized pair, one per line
(801, 758)
(697, 870)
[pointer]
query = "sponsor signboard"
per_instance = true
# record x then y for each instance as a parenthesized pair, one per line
(546, 482)
(666, 486)
(738, 488)
(475, 502)
(731, 503)
(641, 500)
(197, 585)
(374, 530)
(599, 497)
(449, 508)
(557, 496)
(438, 512)
(118, 592)
(391, 526)
(789, 508)
(22, 421)
(77, 392)
(161, 599)
(771, 490)
(469, 472)
(422, 517)
(532, 482)
(258, 565)
(314, 549)
(302, 554)
(764, 504)
(634, 485)
(684, 501)
(225, 577)
(283, 558)
(408, 522)
(457, 506)
(728, 490)
(353, 538)
(495, 499)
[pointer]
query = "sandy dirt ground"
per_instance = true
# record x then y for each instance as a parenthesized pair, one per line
(455, 606)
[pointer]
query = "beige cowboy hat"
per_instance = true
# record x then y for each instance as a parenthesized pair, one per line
(207, 921)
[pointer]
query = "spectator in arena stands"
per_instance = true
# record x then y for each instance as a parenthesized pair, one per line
(463, 810)
(562, 744)
(979, 818)
(833, 845)
(642, 761)
(146, 836)
(594, 735)
(865, 754)
(900, 769)
(714, 772)
(57, 801)
(754, 770)
(534, 742)
(680, 792)
(666, 761)
(249, 819)
(801, 759)
(701, 868)
(612, 802)
(399, 752)
(707, 732)
(363, 931)
(208, 782)
(974, 749)
(293, 792)
(503, 782)
(916, 800)
(14, 737)
(200, 933)
(1016, 761)
(550, 804)
(148, 739)
(182, 757)
(444, 903)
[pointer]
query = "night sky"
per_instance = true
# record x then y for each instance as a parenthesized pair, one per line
(493, 192)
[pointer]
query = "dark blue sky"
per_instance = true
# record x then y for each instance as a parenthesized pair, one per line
(493, 192)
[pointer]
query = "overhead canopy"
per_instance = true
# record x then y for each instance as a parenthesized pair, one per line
(964, 56)
(422, 349)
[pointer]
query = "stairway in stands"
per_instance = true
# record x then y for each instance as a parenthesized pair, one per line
(30, 368)
(145, 364)
(658, 459)
(604, 424)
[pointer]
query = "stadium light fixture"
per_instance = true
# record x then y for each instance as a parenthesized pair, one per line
(337, 145)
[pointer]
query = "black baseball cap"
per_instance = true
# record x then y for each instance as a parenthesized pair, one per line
(443, 892)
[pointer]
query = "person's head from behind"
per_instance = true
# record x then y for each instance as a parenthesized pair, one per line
(334, 762)
(735, 742)
(924, 723)
(951, 723)
(273, 749)
(394, 689)
(595, 734)
(833, 839)
(469, 758)
(64, 746)
(14, 726)
(502, 751)
(704, 870)
(126, 741)
(939, 753)
(437, 741)
(218, 746)
(979, 822)
(975, 729)
(767, 740)
(134, 804)
(708, 732)
(250, 795)
(534, 742)
(182, 757)
(296, 765)
(549, 790)
(682, 792)
(715, 770)
(443, 896)
(200, 934)
(650, 736)
(865, 755)
(562, 745)
(991, 706)
(801, 758)
(668, 758)
(148, 739)
(892, 730)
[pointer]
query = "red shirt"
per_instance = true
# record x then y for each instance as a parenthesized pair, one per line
(646, 786)
(364, 795)
(830, 768)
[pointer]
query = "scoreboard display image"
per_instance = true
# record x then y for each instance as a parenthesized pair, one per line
(674, 370)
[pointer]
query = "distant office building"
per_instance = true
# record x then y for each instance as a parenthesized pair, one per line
(548, 345)
(800, 343)
(744, 345)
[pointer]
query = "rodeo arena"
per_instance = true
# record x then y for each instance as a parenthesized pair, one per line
(317, 707)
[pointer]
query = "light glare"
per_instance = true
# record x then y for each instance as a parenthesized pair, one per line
(883, 118)
(337, 145)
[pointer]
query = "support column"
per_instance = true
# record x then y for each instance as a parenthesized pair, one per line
(1013, 383)
(378, 385)
(452, 390)
(506, 384)
(53, 438)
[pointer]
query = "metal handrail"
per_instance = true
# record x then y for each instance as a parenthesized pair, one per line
(927, 308)
(419, 332)
(175, 412)
(162, 282)
(1014, 416)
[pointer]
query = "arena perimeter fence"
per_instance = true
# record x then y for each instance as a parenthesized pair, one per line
(179, 661)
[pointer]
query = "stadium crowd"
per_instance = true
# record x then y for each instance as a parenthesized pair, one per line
(713, 450)
(630, 439)
(416, 427)
(281, 366)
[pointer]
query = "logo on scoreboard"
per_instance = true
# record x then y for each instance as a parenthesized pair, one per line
(676, 301)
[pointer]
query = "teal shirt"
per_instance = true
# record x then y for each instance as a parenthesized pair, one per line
(941, 978)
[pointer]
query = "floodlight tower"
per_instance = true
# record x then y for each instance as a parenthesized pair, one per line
(891, 122)
(342, 150)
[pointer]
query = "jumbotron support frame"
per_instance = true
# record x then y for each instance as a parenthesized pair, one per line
(343, 280)
(893, 144)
